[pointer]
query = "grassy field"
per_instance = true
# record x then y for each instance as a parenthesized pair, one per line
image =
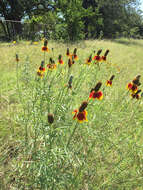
(106, 152)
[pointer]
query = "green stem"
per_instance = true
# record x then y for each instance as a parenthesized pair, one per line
(73, 132)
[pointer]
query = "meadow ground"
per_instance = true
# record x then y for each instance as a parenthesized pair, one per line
(106, 152)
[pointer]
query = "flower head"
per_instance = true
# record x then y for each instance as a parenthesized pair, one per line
(132, 87)
(41, 70)
(136, 95)
(68, 52)
(89, 60)
(40, 74)
(97, 57)
(109, 82)
(60, 60)
(50, 118)
(95, 93)
(75, 54)
(81, 114)
(51, 65)
(105, 55)
(45, 48)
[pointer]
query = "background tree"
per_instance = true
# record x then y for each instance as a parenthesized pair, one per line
(72, 19)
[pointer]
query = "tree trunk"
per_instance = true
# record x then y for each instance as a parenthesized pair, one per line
(4, 28)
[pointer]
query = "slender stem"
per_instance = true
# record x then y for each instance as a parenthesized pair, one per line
(73, 132)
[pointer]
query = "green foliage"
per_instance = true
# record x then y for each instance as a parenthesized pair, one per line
(77, 19)
(103, 153)
(72, 13)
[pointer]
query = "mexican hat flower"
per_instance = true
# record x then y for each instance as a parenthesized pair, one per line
(89, 60)
(74, 55)
(136, 95)
(50, 118)
(81, 114)
(41, 70)
(60, 60)
(51, 66)
(133, 86)
(105, 55)
(45, 48)
(95, 93)
(109, 82)
(68, 52)
(97, 57)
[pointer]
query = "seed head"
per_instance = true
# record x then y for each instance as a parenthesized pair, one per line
(50, 118)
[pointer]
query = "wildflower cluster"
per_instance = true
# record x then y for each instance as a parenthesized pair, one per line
(133, 87)
(72, 57)
(96, 92)
(97, 58)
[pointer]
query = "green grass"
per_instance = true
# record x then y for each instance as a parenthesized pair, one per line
(104, 153)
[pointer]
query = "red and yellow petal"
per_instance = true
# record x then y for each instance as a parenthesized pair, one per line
(51, 66)
(44, 48)
(42, 69)
(91, 94)
(97, 58)
(96, 95)
(75, 112)
(108, 83)
(103, 58)
(132, 87)
(60, 62)
(80, 116)
(40, 73)
(88, 62)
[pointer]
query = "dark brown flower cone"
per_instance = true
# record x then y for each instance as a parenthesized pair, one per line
(136, 80)
(75, 51)
(50, 118)
(99, 51)
(83, 106)
(112, 77)
(106, 53)
(98, 86)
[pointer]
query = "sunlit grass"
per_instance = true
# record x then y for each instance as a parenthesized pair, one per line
(103, 153)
